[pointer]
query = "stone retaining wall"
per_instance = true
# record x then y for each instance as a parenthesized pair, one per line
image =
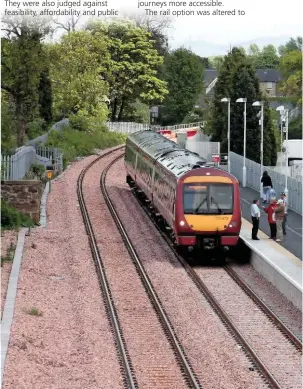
(25, 195)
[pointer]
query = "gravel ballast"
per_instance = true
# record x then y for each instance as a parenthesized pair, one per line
(60, 334)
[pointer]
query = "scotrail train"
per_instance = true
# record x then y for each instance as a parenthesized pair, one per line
(199, 204)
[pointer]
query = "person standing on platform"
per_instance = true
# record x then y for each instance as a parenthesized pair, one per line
(279, 216)
(267, 185)
(285, 202)
(255, 217)
(270, 210)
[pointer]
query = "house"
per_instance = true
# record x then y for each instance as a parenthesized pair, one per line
(268, 81)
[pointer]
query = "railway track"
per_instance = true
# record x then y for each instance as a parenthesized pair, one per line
(228, 323)
(127, 370)
(124, 357)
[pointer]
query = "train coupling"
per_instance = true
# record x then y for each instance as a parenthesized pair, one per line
(225, 248)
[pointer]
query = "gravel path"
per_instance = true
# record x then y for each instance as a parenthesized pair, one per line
(213, 353)
(8, 240)
(151, 356)
(60, 335)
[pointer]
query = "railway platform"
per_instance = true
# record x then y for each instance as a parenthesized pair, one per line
(293, 239)
(278, 265)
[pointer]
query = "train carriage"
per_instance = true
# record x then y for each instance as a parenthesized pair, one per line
(200, 204)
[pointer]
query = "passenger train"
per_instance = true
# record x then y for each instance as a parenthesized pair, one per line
(199, 204)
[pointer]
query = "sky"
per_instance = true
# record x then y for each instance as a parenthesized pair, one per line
(264, 22)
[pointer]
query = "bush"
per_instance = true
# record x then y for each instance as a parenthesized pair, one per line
(36, 171)
(36, 128)
(11, 218)
(75, 143)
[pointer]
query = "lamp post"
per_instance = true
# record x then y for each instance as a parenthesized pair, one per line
(284, 115)
(227, 100)
(261, 104)
(244, 100)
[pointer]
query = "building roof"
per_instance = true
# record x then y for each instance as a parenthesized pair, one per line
(268, 75)
(264, 75)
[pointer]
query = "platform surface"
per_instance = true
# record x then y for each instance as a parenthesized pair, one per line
(293, 240)
(278, 265)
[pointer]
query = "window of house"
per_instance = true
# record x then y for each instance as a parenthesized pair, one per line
(269, 85)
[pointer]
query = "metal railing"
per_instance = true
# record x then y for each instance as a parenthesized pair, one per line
(253, 172)
(15, 167)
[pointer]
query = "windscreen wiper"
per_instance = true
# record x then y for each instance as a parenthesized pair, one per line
(212, 200)
(200, 205)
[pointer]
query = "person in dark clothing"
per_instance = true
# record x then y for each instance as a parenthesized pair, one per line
(267, 185)
(255, 216)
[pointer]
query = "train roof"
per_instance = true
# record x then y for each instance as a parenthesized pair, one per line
(168, 153)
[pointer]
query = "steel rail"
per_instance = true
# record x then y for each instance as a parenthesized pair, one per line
(188, 373)
(128, 374)
(231, 327)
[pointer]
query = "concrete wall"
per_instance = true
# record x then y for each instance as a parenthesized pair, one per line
(24, 195)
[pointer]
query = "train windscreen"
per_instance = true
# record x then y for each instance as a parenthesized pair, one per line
(208, 199)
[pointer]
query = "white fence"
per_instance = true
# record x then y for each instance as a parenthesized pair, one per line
(253, 177)
(15, 167)
(130, 127)
(201, 145)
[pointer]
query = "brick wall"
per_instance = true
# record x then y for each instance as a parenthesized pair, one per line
(24, 195)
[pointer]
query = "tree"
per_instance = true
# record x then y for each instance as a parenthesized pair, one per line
(216, 62)
(184, 77)
(23, 60)
(292, 45)
(291, 69)
(237, 79)
(132, 68)
(267, 58)
(45, 96)
(76, 64)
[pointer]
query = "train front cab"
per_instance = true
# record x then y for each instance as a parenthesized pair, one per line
(208, 213)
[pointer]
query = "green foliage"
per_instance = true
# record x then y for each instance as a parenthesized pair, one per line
(237, 79)
(267, 58)
(11, 218)
(295, 129)
(36, 128)
(131, 71)
(22, 63)
(283, 99)
(294, 44)
(184, 76)
(10, 252)
(137, 112)
(8, 123)
(291, 70)
(196, 115)
(45, 96)
(76, 65)
(34, 312)
(36, 171)
(216, 62)
(75, 143)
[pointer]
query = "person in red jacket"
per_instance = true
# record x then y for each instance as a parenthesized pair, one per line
(270, 210)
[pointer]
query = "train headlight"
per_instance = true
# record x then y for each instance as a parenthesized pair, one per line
(233, 224)
(182, 223)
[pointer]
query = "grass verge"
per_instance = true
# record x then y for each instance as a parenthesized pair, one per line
(75, 143)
